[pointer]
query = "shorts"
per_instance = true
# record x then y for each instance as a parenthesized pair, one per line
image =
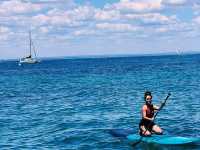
(148, 124)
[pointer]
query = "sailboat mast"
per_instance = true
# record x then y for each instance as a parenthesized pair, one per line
(30, 41)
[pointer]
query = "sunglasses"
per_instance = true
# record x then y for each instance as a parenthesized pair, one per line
(148, 98)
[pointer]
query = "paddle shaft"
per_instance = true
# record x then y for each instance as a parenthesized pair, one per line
(162, 105)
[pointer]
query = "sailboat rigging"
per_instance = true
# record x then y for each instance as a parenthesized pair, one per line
(30, 59)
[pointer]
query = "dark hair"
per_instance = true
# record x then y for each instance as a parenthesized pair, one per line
(147, 93)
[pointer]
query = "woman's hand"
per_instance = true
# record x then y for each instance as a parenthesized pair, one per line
(152, 119)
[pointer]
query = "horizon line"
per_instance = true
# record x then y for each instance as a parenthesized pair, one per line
(108, 56)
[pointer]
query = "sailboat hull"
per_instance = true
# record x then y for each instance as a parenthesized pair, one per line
(28, 61)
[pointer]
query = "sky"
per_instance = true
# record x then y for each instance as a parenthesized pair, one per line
(98, 27)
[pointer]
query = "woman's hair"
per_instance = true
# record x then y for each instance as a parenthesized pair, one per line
(147, 93)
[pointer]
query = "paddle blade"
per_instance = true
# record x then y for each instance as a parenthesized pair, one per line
(121, 132)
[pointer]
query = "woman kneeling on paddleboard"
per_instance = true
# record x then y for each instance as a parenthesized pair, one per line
(147, 125)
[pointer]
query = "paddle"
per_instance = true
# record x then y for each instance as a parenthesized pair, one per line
(162, 105)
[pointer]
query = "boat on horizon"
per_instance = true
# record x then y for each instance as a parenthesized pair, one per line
(30, 59)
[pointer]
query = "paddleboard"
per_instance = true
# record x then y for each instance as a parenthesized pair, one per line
(163, 139)
(157, 139)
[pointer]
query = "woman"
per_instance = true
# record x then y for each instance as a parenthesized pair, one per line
(147, 125)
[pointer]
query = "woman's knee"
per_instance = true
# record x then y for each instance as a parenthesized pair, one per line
(147, 133)
(157, 129)
(144, 131)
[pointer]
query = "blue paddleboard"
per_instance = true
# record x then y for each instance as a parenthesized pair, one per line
(157, 139)
(163, 139)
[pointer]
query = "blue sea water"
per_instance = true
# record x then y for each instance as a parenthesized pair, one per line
(73, 103)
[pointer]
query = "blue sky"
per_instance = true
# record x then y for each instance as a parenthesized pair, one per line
(98, 27)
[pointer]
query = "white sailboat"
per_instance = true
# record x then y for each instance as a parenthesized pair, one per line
(30, 59)
(178, 52)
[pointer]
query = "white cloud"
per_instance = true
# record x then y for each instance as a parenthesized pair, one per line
(196, 9)
(40, 19)
(84, 32)
(53, 1)
(197, 20)
(149, 18)
(4, 33)
(137, 6)
(44, 29)
(162, 30)
(58, 17)
(122, 27)
(107, 14)
(4, 29)
(18, 7)
(179, 28)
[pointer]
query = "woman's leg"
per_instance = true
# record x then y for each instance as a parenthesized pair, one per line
(157, 129)
(144, 131)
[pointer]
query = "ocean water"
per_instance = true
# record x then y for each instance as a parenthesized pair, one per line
(72, 104)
